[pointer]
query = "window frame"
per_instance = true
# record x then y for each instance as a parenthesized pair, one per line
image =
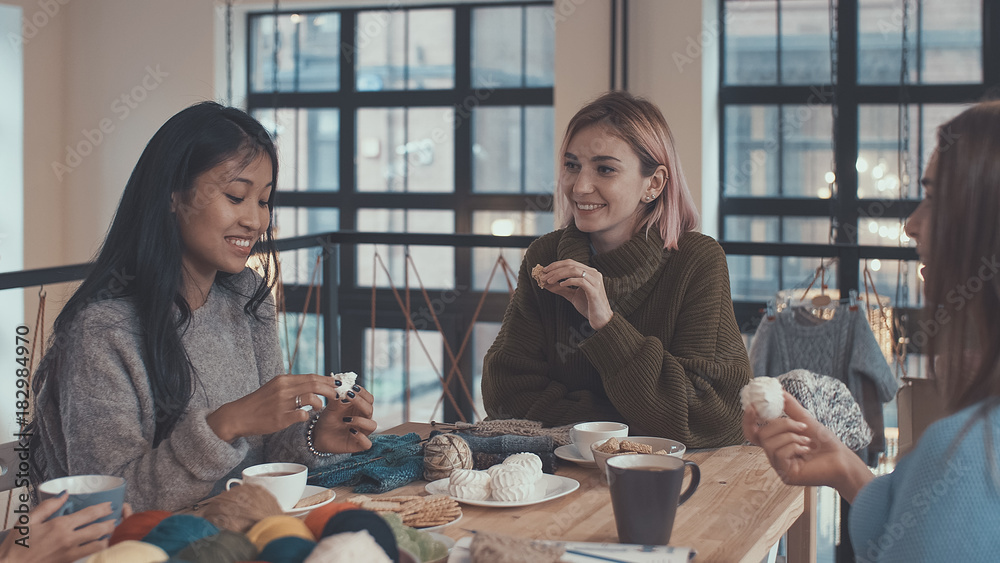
(354, 300)
(846, 209)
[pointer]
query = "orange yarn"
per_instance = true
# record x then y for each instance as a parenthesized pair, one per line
(316, 520)
(136, 527)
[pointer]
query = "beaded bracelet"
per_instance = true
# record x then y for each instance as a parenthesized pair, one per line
(309, 440)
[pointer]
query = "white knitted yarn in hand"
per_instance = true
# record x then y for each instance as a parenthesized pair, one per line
(348, 379)
(764, 393)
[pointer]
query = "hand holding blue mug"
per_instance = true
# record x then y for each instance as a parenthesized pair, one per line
(86, 490)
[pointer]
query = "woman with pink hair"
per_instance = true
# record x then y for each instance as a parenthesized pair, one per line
(630, 317)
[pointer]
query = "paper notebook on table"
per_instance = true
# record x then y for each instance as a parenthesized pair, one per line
(590, 552)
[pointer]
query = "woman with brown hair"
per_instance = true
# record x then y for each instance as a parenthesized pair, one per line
(631, 318)
(942, 502)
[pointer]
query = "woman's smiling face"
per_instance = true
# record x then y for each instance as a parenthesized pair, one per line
(602, 178)
(223, 216)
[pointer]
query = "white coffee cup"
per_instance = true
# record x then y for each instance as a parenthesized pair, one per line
(586, 433)
(286, 481)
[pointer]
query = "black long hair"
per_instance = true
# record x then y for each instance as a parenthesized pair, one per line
(144, 247)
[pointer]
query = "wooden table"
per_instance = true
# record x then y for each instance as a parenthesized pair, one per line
(740, 510)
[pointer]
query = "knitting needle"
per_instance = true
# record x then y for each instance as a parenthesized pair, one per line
(601, 557)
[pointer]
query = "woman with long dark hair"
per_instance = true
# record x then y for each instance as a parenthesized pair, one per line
(164, 366)
(942, 501)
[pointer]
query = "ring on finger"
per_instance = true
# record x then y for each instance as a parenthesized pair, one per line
(298, 401)
(584, 274)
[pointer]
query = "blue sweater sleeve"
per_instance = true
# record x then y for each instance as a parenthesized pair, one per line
(938, 505)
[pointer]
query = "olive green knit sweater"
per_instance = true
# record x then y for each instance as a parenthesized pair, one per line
(671, 362)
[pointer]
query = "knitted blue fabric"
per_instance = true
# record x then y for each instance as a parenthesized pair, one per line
(937, 505)
(391, 462)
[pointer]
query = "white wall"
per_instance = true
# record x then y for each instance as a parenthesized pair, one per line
(12, 210)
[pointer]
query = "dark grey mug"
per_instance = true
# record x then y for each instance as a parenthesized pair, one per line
(86, 490)
(645, 494)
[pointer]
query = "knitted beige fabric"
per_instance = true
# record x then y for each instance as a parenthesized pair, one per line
(517, 427)
(671, 362)
(487, 547)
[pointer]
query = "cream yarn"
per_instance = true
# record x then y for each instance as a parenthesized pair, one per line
(444, 453)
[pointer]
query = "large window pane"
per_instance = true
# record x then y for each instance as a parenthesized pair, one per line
(879, 134)
(435, 264)
(751, 151)
(404, 396)
(513, 149)
(405, 49)
(805, 42)
(758, 228)
(497, 47)
(540, 46)
(308, 142)
(309, 358)
(513, 47)
(503, 223)
(406, 150)
(751, 42)
(308, 48)
(431, 61)
(297, 266)
(807, 151)
(759, 278)
(947, 47)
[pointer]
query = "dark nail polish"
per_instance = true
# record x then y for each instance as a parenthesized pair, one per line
(354, 430)
(351, 394)
(348, 418)
(356, 388)
(345, 401)
(338, 382)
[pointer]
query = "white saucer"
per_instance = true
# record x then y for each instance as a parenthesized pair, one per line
(552, 487)
(570, 453)
(310, 491)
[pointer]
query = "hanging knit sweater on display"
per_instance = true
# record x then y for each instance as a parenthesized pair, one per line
(671, 362)
(843, 348)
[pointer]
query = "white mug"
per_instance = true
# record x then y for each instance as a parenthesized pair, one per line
(586, 433)
(286, 481)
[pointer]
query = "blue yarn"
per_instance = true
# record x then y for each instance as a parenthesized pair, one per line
(391, 462)
(287, 550)
(175, 532)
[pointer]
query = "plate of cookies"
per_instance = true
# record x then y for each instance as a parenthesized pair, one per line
(547, 488)
(431, 512)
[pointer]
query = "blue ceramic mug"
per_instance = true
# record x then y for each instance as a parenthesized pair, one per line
(84, 491)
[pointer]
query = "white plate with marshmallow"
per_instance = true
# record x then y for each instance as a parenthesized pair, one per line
(548, 488)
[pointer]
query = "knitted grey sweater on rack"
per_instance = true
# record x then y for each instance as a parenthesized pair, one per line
(842, 347)
(95, 413)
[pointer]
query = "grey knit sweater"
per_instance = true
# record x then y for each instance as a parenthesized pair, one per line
(95, 413)
(842, 347)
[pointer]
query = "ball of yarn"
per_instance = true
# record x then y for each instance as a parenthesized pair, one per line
(348, 547)
(358, 520)
(317, 519)
(225, 547)
(443, 453)
(287, 550)
(136, 527)
(129, 551)
(176, 532)
(241, 507)
(274, 527)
